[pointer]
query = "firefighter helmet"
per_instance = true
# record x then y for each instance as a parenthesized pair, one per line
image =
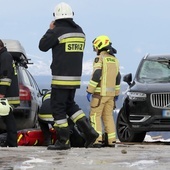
(63, 10)
(4, 107)
(101, 42)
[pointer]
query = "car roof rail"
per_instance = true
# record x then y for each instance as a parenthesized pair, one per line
(146, 55)
(17, 51)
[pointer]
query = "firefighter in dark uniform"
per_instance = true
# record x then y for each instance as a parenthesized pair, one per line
(67, 41)
(45, 118)
(46, 122)
(9, 90)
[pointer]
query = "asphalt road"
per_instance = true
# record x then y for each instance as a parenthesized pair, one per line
(123, 157)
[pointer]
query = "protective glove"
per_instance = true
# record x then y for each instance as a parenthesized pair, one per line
(116, 98)
(89, 96)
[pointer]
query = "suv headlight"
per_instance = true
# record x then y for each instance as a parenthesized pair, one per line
(136, 96)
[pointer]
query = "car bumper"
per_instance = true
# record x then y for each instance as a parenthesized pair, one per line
(22, 111)
(144, 117)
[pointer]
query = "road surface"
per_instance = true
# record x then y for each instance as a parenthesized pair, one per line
(152, 156)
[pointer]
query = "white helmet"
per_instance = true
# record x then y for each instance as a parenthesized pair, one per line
(4, 107)
(63, 10)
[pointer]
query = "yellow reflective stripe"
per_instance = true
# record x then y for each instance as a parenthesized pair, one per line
(97, 65)
(45, 115)
(56, 82)
(75, 39)
(5, 84)
(67, 142)
(14, 101)
(94, 123)
(61, 125)
(117, 87)
(104, 73)
(14, 67)
(19, 138)
(77, 114)
(47, 96)
(111, 135)
(35, 143)
(93, 83)
(78, 117)
(98, 89)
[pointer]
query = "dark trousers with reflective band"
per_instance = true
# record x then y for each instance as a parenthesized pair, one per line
(62, 103)
(11, 129)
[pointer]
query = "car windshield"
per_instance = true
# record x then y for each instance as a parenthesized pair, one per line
(154, 71)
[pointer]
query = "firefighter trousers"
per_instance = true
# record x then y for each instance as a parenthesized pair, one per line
(101, 117)
(11, 129)
(62, 103)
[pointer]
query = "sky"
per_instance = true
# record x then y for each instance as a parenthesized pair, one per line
(135, 27)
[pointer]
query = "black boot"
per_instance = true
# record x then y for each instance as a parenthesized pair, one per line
(90, 134)
(47, 139)
(63, 141)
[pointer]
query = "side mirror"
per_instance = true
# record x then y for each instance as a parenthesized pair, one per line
(128, 78)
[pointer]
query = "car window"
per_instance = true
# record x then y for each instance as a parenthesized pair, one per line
(152, 70)
(33, 81)
(26, 78)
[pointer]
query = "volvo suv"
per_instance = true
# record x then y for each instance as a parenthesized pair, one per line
(146, 104)
(29, 92)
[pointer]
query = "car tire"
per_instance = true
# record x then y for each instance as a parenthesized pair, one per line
(124, 132)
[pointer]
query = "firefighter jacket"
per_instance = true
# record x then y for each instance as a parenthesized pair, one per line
(106, 77)
(8, 78)
(67, 41)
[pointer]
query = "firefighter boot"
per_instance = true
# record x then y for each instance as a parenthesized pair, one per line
(63, 141)
(47, 139)
(85, 127)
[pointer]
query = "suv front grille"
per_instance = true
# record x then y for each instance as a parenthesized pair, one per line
(160, 100)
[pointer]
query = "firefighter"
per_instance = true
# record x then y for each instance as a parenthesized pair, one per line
(103, 89)
(46, 121)
(9, 90)
(45, 118)
(67, 41)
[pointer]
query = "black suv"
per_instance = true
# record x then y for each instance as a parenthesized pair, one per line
(30, 94)
(146, 105)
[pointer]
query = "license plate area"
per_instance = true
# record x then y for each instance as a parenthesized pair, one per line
(166, 113)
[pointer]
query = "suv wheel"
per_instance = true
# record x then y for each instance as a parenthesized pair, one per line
(124, 131)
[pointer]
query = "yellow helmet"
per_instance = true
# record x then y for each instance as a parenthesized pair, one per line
(101, 42)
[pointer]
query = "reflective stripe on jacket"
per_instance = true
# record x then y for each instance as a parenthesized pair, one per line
(105, 79)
